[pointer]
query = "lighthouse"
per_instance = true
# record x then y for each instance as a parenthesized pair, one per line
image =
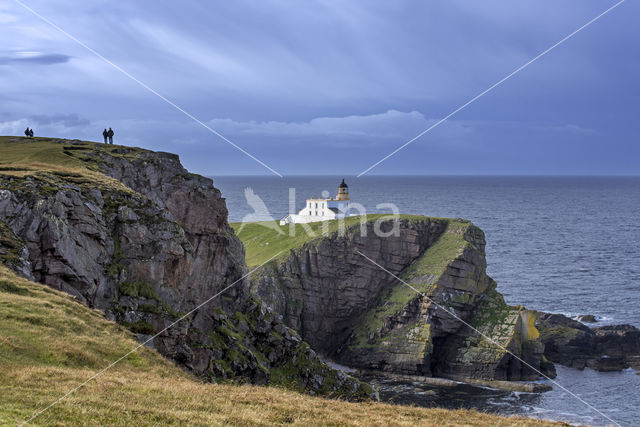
(322, 209)
(343, 191)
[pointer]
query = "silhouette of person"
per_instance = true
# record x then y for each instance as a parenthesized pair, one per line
(26, 132)
(105, 134)
(31, 132)
(110, 135)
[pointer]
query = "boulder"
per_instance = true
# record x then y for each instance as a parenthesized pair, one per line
(587, 318)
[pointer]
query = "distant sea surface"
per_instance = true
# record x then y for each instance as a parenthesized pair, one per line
(559, 244)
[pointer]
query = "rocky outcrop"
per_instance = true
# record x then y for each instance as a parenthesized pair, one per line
(340, 293)
(605, 348)
(324, 287)
(147, 242)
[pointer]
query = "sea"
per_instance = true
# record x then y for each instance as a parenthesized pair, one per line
(562, 244)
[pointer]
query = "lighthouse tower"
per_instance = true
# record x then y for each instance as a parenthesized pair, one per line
(343, 191)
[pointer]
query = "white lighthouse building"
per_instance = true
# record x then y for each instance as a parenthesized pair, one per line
(322, 209)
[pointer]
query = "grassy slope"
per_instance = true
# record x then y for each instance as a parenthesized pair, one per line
(54, 161)
(49, 344)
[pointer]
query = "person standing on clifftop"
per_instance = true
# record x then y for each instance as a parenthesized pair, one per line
(110, 135)
(105, 134)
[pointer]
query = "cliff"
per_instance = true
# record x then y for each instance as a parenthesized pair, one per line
(132, 233)
(351, 309)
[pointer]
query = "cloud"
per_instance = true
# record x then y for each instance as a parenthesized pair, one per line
(567, 128)
(66, 120)
(189, 49)
(44, 124)
(7, 18)
(34, 58)
(390, 124)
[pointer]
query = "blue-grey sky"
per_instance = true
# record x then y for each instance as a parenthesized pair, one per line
(330, 87)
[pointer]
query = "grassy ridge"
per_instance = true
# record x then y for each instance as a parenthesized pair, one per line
(49, 344)
(55, 161)
(23, 155)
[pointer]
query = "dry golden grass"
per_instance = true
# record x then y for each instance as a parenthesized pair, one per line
(130, 397)
(50, 344)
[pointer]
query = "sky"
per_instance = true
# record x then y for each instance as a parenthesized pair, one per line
(331, 87)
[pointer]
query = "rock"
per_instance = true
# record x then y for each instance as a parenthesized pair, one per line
(322, 288)
(573, 344)
(634, 362)
(606, 363)
(13, 251)
(566, 341)
(587, 318)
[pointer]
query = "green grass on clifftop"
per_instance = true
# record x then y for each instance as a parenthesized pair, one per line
(263, 240)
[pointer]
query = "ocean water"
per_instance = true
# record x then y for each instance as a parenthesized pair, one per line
(560, 244)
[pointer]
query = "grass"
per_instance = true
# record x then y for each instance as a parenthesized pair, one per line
(10, 246)
(57, 160)
(263, 240)
(138, 289)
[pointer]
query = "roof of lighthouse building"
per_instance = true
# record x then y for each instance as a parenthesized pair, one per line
(343, 184)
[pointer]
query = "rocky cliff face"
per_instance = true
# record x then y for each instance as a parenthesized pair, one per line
(146, 242)
(350, 308)
(323, 288)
